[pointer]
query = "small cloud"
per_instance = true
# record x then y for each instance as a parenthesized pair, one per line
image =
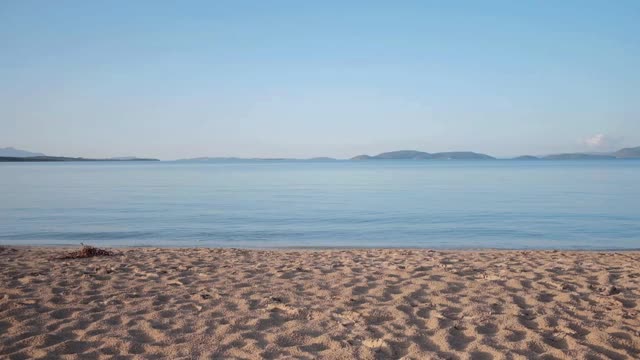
(596, 140)
(601, 141)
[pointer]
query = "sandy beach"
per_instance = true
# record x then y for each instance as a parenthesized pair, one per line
(146, 303)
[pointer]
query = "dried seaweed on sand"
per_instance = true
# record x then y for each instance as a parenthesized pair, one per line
(87, 251)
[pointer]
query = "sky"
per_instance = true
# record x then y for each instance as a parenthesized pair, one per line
(180, 79)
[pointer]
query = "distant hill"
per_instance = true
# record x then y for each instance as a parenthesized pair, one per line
(362, 157)
(526, 157)
(130, 158)
(206, 159)
(10, 154)
(322, 158)
(61, 158)
(39, 158)
(13, 152)
(403, 155)
(419, 155)
(628, 153)
(461, 155)
(223, 159)
(578, 156)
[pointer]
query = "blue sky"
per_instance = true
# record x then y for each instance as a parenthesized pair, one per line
(182, 79)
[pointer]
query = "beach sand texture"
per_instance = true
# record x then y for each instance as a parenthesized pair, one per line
(147, 303)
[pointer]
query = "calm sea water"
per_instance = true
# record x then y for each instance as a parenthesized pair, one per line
(435, 204)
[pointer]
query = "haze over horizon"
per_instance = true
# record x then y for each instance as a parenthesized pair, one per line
(291, 79)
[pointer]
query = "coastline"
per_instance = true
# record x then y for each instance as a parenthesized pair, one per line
(336, 303)
(70, 246)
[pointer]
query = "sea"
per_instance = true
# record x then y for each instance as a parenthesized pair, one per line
(544, 204)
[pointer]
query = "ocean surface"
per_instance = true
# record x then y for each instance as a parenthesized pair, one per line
(264, 204)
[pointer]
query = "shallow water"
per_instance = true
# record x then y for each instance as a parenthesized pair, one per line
(435, 204)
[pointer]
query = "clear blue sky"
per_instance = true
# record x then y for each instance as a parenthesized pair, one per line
(174, 79)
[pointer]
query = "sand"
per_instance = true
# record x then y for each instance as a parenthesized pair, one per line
(325, 304)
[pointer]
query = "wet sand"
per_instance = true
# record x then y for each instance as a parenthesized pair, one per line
(147, 303)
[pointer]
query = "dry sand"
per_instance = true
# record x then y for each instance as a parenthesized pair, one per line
(328, 304)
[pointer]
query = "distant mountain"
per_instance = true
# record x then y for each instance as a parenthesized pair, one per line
(578, 156)
(419, 155)
(526, 157)
(60, 158)
(404, 155)
(13, 152)
(461, 155)
(362, 157)
(322, 158)
(129, 158)
(628, 153)
(223, 159)
(206, 159)
(39, 158)
(10, 154)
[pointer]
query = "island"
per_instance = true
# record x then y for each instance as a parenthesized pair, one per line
(62, 158)
(628, 153)
(10, 154)
(526, 157)
(420, 155)
(579, 156)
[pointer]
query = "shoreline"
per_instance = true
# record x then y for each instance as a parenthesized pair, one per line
(221, 303)
(322, 248)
